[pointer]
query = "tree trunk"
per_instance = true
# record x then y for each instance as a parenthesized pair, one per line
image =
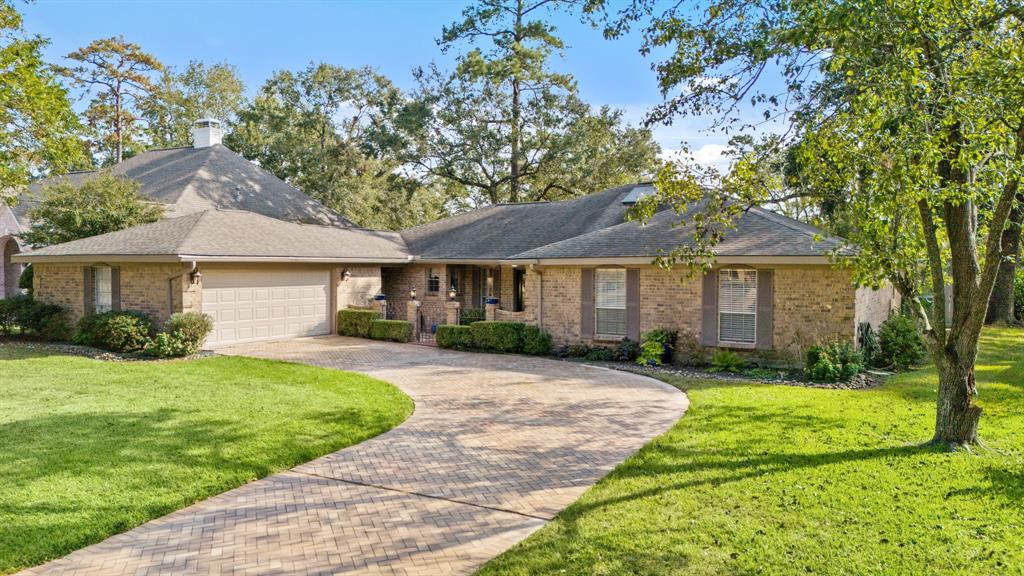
(1000, 306)
(516, 114)
(956, 420)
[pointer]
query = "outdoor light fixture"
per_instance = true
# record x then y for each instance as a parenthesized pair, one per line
(412, 293)
(195, 276)
(346, 275)
(452, 292)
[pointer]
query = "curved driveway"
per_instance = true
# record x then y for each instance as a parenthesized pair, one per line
(496, 447)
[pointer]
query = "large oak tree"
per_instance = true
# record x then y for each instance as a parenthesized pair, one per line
(914, 109)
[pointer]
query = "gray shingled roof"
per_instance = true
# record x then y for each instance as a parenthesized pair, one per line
(498, 232)
(758, 232)
(234, 234)
(191, 180)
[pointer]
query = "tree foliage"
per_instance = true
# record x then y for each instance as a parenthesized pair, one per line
(119, 75)
(913, 110)
(38, 128)
(504, 127)
(180, 98)
(101, 204)
(331, 131)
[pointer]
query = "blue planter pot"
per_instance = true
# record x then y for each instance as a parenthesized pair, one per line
(380, 297)
(492, 300)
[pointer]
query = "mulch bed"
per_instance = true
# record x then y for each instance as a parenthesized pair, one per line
(863, 381)
(87, 351)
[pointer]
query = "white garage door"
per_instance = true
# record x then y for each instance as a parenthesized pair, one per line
(249, 305)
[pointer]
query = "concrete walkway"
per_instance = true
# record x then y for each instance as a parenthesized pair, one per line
(496, 447)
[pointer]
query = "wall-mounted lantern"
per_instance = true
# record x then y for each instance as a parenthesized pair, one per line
(452, 293)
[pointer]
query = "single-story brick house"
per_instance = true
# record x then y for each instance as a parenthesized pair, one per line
(577, 268)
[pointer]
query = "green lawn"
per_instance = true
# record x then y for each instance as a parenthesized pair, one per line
(768, 479)
(90, 448)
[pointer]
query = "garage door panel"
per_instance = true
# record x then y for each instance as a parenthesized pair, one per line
(251, 305)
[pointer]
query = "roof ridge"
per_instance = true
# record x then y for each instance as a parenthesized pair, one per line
(188, 233)
(790, 223)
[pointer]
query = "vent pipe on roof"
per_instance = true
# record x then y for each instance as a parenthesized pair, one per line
(206, 132)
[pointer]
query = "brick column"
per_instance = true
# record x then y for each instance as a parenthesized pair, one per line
(382, 307)
(451, 312)
(490, 311)
(412, 314)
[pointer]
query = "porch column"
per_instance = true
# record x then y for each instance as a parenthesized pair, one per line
(382, 306)
(412, 314)
(452, 312)
(491, 309)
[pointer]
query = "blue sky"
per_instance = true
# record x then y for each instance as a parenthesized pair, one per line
(392, 37)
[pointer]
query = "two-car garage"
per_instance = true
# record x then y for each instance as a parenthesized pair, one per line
(249, 304)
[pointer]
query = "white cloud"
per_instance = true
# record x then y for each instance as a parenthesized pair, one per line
(706, 155)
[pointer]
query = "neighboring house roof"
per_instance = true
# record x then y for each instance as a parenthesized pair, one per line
(499, 232)
(230, 235)
(188, 180)
(757, 232)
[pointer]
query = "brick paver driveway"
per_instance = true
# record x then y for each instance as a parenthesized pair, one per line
(497, 446)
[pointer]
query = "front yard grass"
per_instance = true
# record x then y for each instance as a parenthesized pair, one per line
(89, 448)
(770, 479)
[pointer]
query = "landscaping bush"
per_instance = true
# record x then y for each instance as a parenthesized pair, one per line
(536, 342)
(117, 331)
(689, 351)
(166, 345)
(867, 342)
(727, 361)
(469, 315)
(393, 330)
(577, 350)
(627, 350)
(1018, 293)
(498, 336)
(356, 322)
(656, 347)
(32, 318)
(900, 345)
(25, 280)
(456, 337)
(186, 333)
(833, 362)
(600, 354)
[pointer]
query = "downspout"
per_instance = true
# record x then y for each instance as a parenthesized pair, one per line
(540, 295)
(170, 286)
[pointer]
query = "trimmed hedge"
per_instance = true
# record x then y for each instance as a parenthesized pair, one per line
(536, 342)
(33, 318)
(498, 336)
(393, 330)
(356, 322)
(121, 331)
(454, 336)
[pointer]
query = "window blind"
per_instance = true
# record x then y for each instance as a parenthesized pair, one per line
(610, 301)
(737, 306)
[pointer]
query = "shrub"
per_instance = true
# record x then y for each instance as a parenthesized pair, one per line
(166, 345)
(457, 337)
(627, 350)
(536, 342)
(689, 351)
(665, 338)
(33, 318)
(727, 361)
(393, 330)
(118, 331)
(469, 315)
(189, 330)
(1018, 293)
(356, 322)
(600, 354)
(832, 362)
(498, 336)
(651, 353)
(867, 341)
(25, 280)
(900, 345)
(577, 350)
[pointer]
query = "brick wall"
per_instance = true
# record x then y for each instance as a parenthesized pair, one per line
(397, 282)
(811, 303)
(875, 306)
(144, 287)
(363, 284)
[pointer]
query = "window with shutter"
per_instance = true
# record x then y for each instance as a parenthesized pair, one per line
(610, 301)
(102, 289)
(737, 306)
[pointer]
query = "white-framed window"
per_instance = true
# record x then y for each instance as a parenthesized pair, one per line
(433, 280)
(103, 295)
(737, 306)
(610, 301)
